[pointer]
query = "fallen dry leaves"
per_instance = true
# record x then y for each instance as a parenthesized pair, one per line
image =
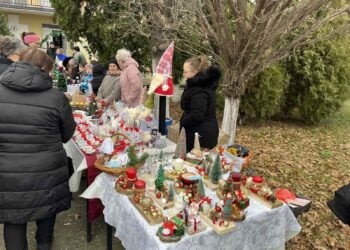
(312, 161)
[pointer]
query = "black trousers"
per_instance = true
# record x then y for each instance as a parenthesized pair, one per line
(15, 235)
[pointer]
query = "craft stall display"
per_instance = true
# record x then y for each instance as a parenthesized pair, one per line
(145, 205)
(83, 136)
(257, 187)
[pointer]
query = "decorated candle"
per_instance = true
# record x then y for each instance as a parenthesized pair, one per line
(236, 181)
(257, 183)
(131, 174)
(140, 187)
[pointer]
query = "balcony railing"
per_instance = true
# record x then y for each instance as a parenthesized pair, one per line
(43, 5)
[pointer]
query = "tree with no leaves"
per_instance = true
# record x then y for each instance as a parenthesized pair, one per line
(245, 37)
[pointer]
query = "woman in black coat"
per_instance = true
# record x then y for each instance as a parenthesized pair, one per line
(35, 121)
(98, 73)
(199, 102)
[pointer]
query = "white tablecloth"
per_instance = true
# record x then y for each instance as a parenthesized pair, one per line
(80, 164)
(263, 228)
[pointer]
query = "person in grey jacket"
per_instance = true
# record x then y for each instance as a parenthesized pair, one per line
(35, 121)
(109, 90)
(10, 47)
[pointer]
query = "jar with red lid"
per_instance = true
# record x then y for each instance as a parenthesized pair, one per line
(257, 183)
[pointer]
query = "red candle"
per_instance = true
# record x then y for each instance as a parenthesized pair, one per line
(236, 177)
(140, 184)
(131, 174)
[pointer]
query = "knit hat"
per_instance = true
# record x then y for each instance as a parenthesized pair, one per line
(28, 39)
(113, 61)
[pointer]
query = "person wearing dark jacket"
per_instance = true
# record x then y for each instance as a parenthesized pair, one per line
(10, 47)
(98, 73)
(35, 121)
(199, 102)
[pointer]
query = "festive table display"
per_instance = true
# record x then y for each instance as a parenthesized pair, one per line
(175, 195)
(162, 195)
(171, 230)
(148, 209)
(129, 184)
(257, 187)
(83, 136)
(174, 171)
(215, 174)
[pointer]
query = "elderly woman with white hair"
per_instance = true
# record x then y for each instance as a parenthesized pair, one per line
(130, 79)
(10, 47)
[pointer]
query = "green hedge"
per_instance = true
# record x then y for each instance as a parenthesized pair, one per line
(266, 98)
(308, 86)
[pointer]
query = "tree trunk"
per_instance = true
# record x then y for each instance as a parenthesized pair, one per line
(229, 120)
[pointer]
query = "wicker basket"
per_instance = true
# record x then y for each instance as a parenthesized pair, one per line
(114, 171)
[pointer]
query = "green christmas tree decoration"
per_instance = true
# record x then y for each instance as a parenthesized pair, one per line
(159, 182)
(180, 151)
(60, 80)
(201, 189)
(171, 192)
(134, 160)
(92, 108)
(216, 170)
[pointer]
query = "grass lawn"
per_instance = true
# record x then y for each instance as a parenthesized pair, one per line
(310, 160)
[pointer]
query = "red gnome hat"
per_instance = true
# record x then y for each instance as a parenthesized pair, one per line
(162, 82)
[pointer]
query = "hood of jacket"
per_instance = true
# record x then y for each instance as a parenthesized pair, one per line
(208, 78)
(5, 60)
(24, 77)
(130, 62)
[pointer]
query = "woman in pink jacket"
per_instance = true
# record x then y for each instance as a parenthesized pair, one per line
(130, 79)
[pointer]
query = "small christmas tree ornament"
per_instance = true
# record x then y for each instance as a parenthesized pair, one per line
(159, 182)
(216, 170)
(180, 151)
(171, 192)
(201, 189)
